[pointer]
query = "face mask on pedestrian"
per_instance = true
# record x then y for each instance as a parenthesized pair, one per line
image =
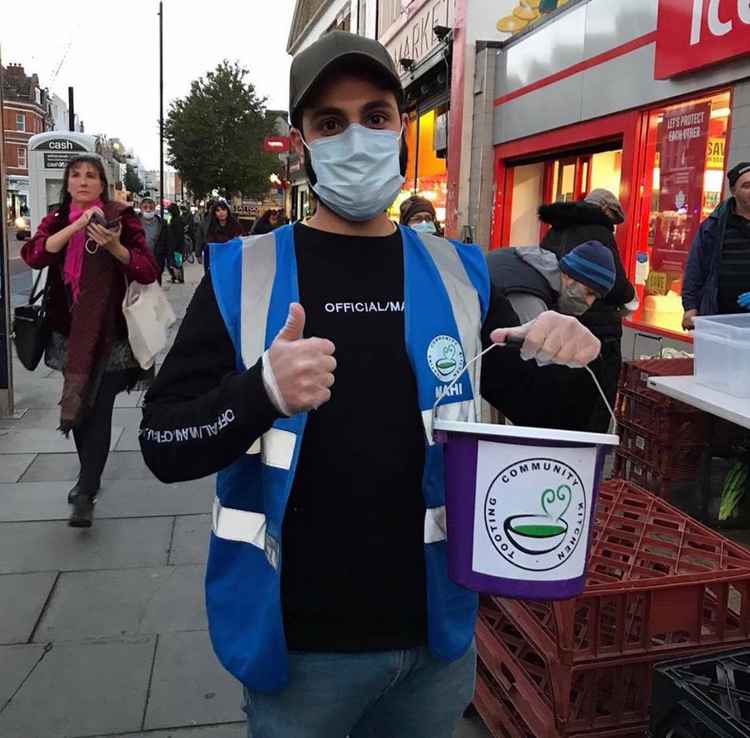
(571, 302)
(358, 171)
(427, 226)
(148, 214)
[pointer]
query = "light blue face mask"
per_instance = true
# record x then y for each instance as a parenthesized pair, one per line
(358, 171)
(424, 227)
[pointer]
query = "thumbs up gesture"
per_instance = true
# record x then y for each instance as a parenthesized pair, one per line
(303, 367)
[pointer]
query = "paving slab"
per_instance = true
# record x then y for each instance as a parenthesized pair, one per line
(36, 392)
(13, 466)
(228, 730)
(101, 604)
(190, 540)
(189, 686)
(29, 501)
(22, 597)
(128, 498)
(42, 440)
(129, 399)
(64, 467)
(82, 690)
(37, 418)
(18, 662)
(109, 544)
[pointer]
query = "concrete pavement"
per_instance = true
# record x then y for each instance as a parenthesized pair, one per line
(103, 631)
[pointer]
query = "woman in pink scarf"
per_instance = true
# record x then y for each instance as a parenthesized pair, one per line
(89, 267)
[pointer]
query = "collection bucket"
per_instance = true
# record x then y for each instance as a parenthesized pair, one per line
(520, 506)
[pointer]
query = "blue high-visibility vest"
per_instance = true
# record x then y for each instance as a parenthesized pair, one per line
(446, 295)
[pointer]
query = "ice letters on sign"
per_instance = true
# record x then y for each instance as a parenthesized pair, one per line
(532, 513)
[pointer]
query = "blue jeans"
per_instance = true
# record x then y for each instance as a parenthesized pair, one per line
(391, 694)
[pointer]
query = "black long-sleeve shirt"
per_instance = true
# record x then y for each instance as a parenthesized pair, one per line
(352, 545)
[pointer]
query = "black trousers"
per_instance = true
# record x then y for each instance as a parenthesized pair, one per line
(94, 434)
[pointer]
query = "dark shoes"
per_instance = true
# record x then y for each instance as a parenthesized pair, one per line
(83, 512)
(76, 490)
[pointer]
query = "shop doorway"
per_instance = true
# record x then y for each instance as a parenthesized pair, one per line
(567, 177)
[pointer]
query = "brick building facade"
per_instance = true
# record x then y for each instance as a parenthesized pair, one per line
(26, 113)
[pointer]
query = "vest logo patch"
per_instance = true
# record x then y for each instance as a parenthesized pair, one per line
(445, 358)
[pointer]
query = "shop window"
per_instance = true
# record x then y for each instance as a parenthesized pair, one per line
(426, 171)
(528, 187)
(685, 163)
(566, 178)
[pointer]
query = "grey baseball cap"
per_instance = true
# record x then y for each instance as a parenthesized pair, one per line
(312, 63)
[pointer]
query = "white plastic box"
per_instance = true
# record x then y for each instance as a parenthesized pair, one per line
(722, 353)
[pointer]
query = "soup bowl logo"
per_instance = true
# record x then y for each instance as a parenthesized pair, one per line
(543, 535)
(445, 357)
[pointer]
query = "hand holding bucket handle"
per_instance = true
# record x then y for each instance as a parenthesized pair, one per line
(302, 368)
(552, 338)
(517, 339)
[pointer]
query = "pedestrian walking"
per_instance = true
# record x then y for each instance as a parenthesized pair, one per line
(575, 223)
(419, 213)
(266, 223)
(717, 273)
(92, 248)
(363, 634)
(222, 227)
(153, 229)
(175, 244)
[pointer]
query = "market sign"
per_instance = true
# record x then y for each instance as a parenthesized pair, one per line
(276, 144)
(59, 145)
(412, 37)
(692, 34)
(683, 143)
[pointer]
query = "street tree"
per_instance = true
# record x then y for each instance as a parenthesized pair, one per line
(215, 135)
(132, 182)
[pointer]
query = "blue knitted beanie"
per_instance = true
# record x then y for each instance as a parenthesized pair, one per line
(592, 264)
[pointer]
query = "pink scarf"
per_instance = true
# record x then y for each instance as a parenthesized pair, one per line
(73, 266)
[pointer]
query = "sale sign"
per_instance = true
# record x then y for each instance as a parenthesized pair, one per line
(692, 34)
(682, 147)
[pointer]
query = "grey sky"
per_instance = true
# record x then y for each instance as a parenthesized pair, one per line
(111, 55)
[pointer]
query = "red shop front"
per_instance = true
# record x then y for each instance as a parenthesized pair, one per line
(666, 160)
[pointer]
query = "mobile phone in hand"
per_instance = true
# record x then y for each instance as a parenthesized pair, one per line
(111, 225)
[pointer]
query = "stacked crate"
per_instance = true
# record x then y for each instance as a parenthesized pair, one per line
(659, 585)
(661, 440)
(703, 697)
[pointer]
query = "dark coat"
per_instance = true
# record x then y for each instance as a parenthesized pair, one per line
(700, 283)
(141, 268)
(574, 223)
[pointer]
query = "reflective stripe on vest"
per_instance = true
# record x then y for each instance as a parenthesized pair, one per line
(467, 314)
(258, 270)
(239, 525)
(276, 448)
(435, 527)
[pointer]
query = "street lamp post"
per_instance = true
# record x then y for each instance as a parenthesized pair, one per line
(161, 109)
(6, 355)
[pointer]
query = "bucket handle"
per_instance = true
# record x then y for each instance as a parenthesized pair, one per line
(513, 342)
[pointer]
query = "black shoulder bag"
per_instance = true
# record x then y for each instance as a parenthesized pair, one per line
(30, 330)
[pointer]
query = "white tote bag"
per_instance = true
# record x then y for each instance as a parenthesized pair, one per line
(149, 316)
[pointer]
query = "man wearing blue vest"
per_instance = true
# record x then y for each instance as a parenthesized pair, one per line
(326, 587)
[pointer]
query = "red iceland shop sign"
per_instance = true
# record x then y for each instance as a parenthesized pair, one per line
(692, 34)
(682, 148)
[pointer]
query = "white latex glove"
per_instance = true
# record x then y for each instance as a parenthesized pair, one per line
(552, 338)
(301, 367)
